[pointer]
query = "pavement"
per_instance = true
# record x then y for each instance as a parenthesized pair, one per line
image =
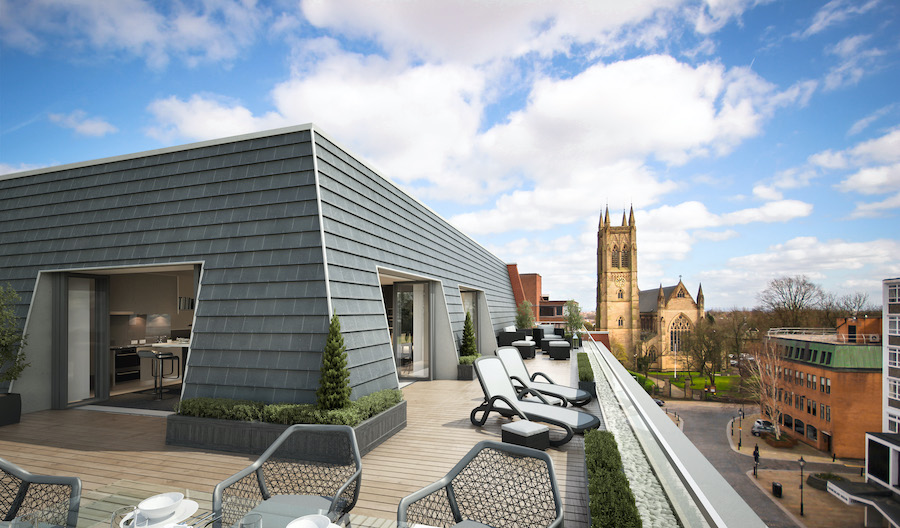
(708, 426)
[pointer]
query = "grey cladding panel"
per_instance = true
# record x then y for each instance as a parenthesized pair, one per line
(246, 209)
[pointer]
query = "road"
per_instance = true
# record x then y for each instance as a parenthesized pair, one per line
(705, 425)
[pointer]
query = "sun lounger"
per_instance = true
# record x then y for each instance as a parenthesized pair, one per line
(518, 372)
(500, 396)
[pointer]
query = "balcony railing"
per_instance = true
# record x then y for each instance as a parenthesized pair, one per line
(696, 490)
(824, 334)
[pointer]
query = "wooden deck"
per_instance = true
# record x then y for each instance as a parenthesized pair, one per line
(122, 458)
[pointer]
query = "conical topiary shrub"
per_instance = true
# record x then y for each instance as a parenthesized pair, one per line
(468, 347)
(334, 386)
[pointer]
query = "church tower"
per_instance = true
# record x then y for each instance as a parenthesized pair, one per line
(618, 298)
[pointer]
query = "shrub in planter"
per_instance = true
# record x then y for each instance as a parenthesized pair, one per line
(611, 500)
(468, 351)
(334, 385)
(585, 372)
(524, 315)
(12, 360)
(291, 413)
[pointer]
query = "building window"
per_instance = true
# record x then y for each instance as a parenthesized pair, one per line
(821, 384)
(893, 423)
(894, 325)
(893, 388)
(822, 409)
(813, 407)
(812, 433)
(894, 356)
(615, 257)
(680, 327)
(828, 413)
(680, 294)
(894, 293)
(621, 321)
(799, 426)
(828, 359)
(827, 385)
(815, 354)
(788, 421)
(620, 294)
(626, 257)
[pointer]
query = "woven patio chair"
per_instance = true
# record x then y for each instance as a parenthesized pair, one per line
(52, 501)
(500, 396)
(518, 372)
(497, 485)
(308, 469)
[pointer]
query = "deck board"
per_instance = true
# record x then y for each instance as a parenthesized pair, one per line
(123, 458)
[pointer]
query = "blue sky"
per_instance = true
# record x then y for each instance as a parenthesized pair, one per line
(754, 139)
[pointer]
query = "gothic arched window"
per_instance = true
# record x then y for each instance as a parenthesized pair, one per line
(680, 326)
(621, 321)
(621, 294)
(680, 293)
(626, 257)
(615, 257)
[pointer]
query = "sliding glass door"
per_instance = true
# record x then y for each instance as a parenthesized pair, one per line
(412, 329)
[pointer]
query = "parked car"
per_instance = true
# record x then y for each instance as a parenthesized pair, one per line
(659, 402)
(762, 426)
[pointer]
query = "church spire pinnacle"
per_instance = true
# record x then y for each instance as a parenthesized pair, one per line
(631, 217)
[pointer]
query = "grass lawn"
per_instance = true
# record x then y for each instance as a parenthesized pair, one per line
(724, 384)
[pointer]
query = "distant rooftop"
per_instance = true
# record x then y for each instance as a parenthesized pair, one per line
(824, 335)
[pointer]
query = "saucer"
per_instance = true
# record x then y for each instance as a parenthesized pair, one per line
(185, 510)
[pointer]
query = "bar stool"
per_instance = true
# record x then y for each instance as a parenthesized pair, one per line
(157, 367)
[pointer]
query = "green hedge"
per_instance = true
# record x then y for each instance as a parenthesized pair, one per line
(290, 413)
(647, 384)
(585, 372)
(611, 500)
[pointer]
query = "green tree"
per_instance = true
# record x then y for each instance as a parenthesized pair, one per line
(334, 385)
(705, 346)
(468, 346)
(12, 361)
(525, 315)
(572, 314)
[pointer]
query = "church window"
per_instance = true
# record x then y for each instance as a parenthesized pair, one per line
(615, 257)
(621, 321)
(680, 293)
(626, 257)
(680, 327)
(621, 294)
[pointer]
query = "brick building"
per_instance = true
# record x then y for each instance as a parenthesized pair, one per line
(827, 386)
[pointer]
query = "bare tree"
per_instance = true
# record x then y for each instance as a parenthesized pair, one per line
(704, 345)
(735, 327)
(790, 298)
(855, 303)
(766, 382)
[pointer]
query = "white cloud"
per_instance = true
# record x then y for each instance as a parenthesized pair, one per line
(480, 32)
(79, 121)
(876, 209)
(6, 168)
(873, 180)
(833, 13)
(827, 159)
(810, 256)
(864, 123)
(194, 31)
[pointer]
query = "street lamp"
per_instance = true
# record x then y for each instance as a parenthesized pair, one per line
(802, 463)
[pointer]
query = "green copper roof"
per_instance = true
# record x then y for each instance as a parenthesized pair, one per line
(843, 355)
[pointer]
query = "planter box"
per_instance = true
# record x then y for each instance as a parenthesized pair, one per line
(465, 372)
(10, 408)
(589, 386)
(255, 437)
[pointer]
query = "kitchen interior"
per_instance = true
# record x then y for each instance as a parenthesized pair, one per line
(150, 311)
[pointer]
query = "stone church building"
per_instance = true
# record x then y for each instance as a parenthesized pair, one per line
(650, 322)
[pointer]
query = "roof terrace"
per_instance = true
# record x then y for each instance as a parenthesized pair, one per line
(123, 458)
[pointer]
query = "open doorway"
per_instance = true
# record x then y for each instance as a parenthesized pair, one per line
(408, 303)
(123, 335)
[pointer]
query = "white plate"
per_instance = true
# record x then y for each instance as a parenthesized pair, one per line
(311, 521)
(186, 509)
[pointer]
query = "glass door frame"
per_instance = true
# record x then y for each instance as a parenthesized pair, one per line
(429, 328)
(99, 340)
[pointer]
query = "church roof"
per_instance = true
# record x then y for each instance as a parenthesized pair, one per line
(647, 299)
